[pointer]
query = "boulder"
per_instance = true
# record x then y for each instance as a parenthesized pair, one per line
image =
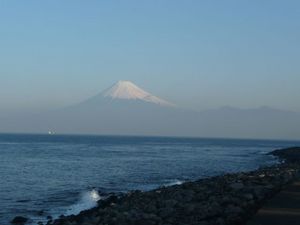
(19, 220)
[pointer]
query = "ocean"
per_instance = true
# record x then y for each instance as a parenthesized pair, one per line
(51, 175)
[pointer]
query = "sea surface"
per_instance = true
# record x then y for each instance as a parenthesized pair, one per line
(42, 175)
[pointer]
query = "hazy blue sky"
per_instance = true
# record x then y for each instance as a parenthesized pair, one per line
(200, 54)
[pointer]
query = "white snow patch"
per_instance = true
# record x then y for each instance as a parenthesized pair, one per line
(128, 90)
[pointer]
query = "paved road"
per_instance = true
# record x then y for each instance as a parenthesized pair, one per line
(283, 209)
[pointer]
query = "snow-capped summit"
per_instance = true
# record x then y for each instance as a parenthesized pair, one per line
(128, 90)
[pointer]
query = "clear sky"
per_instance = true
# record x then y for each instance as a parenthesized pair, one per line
(198, 54)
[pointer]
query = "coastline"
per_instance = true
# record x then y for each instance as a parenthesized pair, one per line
(227, 199)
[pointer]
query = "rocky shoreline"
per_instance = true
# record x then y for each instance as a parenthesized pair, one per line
(228, 199)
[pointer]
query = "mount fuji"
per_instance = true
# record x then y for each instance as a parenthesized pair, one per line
(126, 109)
(121, 109)
(127, 91)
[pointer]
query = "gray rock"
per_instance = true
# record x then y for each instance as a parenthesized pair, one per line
(248, 196)
(237, 186)
(220, 221)
(170, 203)
(165, 212)
(231, 209)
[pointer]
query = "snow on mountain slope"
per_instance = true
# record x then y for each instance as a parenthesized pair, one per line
(129, 91)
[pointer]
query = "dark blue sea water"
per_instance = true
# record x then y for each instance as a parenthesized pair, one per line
(65, 174)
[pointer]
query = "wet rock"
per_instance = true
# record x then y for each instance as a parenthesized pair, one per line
(150, 207)
(40, 213)
(19, 220)
(236, 186)
(259, 193)
(165, 212)
(231, 209)
(49, 218)
(170, 203)
(248, 196)
(203, 223)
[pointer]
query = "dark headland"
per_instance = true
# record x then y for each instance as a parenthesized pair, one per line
(231, 199)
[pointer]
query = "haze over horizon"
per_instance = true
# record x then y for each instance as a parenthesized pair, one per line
(197, 54)
(127, 109)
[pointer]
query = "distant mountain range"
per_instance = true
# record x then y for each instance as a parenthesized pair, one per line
(126, 109)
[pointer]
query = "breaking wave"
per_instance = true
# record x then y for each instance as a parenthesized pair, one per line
(88, 200)
(173, 182)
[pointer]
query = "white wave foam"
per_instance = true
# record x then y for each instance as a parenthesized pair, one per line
(88, 200)
(174, 182)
